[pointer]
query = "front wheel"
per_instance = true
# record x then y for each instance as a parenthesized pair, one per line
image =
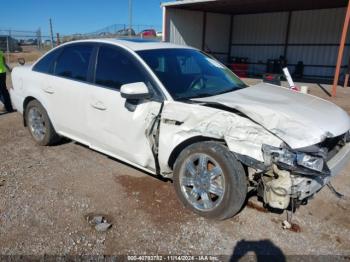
(210, 181)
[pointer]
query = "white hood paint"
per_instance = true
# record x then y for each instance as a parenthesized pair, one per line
(299, 120)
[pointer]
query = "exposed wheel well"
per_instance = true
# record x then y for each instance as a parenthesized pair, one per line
(179, 148)
(25, 103)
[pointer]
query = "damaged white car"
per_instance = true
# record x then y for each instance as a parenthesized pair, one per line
(180, 114)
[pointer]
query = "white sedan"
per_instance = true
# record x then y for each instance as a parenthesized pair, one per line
(175, 112)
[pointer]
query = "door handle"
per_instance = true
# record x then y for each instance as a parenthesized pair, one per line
(49, 90)
(99, 105)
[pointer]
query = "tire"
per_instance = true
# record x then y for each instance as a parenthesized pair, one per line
(217, 193)
(37, 120)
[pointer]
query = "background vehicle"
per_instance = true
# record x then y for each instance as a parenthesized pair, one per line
(178, 113)
(148, 33)
(126, 32)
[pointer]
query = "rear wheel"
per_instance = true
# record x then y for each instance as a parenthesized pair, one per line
(39, 124)
(210, 181)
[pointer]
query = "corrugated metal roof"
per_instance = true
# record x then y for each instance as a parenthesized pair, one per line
(253, 6)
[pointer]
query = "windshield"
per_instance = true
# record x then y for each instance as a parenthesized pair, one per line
(188, 73)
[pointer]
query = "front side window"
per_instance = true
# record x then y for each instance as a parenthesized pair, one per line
(188, 73)
(115, 67)
(74, 62)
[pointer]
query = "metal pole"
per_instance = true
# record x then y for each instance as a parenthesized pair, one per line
(229, 51)
(8, 47)
(51, 32)
(204, 30)
(341, 51)
(130, 17)
(164, 26)
(39, 38)
(58, 39)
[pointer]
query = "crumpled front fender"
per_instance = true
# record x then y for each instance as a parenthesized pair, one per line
(182, 121)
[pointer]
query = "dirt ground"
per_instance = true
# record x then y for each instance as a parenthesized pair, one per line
(47, 192)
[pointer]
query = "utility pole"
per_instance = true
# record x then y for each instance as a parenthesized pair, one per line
(130, 17)
(8, 47)
(341, 51)
(51, 32)
(39, 38)
(58, 41)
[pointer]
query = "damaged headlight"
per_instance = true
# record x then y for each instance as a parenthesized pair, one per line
(311, 162)
(291, 159)
(278, 155)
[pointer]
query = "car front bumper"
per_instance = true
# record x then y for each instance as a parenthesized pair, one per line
(307, 186)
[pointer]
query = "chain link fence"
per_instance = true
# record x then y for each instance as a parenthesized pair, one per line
(30, 45)
(25, 44)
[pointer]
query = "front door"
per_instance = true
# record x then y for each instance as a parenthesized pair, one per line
(117, 126)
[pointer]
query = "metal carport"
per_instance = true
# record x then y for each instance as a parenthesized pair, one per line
(300, 30)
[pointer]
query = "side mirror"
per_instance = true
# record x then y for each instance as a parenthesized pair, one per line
(21, 61)
(135, 91)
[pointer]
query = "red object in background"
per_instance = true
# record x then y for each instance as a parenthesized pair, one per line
(148, 33)
(240, 69)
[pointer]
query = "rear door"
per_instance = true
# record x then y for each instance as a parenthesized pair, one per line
(118, 126)
(68, 90)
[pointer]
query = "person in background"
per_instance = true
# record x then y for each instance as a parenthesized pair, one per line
(4, 93)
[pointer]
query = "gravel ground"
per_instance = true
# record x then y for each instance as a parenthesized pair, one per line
(47, 193)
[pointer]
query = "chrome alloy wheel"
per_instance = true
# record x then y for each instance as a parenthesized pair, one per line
(202, 182)
(36, 124)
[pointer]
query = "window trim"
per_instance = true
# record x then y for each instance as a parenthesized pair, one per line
(50, 71)
(88, 77)
(160, 97)
(163, 93)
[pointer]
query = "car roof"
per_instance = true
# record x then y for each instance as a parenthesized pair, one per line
(136, 44)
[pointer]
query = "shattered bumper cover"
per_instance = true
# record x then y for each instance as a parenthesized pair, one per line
(312, 184)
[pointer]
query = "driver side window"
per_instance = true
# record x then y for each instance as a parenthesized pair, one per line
(188, 65)
(115, 68)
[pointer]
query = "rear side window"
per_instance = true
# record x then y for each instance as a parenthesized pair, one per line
(45, 64)
(115, 67)
(74, 61)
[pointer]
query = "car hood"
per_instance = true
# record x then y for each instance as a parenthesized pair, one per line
(300, 120)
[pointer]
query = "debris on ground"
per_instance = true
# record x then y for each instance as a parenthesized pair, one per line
(291, 226)
(256, 206)
(99, 222)
(286, 225)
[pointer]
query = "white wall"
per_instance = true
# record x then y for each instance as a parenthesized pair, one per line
(217, 34)
(185, 27)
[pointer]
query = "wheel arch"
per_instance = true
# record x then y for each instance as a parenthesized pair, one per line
(25, 104)
(184, 144)
(26, 101)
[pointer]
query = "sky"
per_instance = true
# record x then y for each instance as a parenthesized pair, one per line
(76, 16)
